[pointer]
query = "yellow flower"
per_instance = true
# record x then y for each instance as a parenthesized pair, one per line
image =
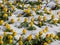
(56, 37)
(39, 18)
(10, 3)
(26, 20)
(18, 19)
(5, 15)
(12, 20)
(32, 19)
(44, 18)
(10, 41)
(30, 14)
(40, 33)
(10, 37)
(19, 15)
(1, 37)
(40, 23)
(49, 41)
(34, 9)
(39, 0)
(14, 33)
(10, 13)
(18, 4)
(31, 23)
(44, 31)
(57, 0)
(29, 37)
(29, 6)
(1, 42)
(20, 43)
(52, 35)
(28, 10)
(50, 11)
(7, 26)
(38, 7)
(55, 21)
(45, 9)
(4, 33)
(5, 9)
(45, 43)
(12, 8)
(52, 17)
(12, 30)
(46, 28)
(20, 39)
(48, 35)
(58, 13)
(1, 22)
(22, 5)
(0, 4)
(24, 31)
(25, 10)
(14, 1)
(37, 36)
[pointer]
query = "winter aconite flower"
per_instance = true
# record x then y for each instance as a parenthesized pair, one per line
(5, 9)
(12, 20)
(58, 13)
(32, 20)
(10, 41)
(7, 26)
(29, 37)
(39, 0)
(18, 19)
(45, 43)
(5, 15)
(56, 37)
(55, 21)
(49, 41)
(39, 18)
(45, 9)
(38, 7)
(52, 35)
(20, 43)
(24, 31)
(31, 23)
(1, 22)
(23, 5)
(44, 18)
(20, 38)
(14, 33)
(1, 37)
(10, 37)
(40, 23)
(44, 31)
(5, 34)
(37, 36)
(57, 1)
(26, 20)
(40, 33)
(52, 17)
(1, 42)
(46, 28)
(48, 35)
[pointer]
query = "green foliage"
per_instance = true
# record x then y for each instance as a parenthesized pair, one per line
(39, 13)
(31, 28)
(23, 24)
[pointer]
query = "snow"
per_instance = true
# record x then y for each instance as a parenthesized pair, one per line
(54, 29)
